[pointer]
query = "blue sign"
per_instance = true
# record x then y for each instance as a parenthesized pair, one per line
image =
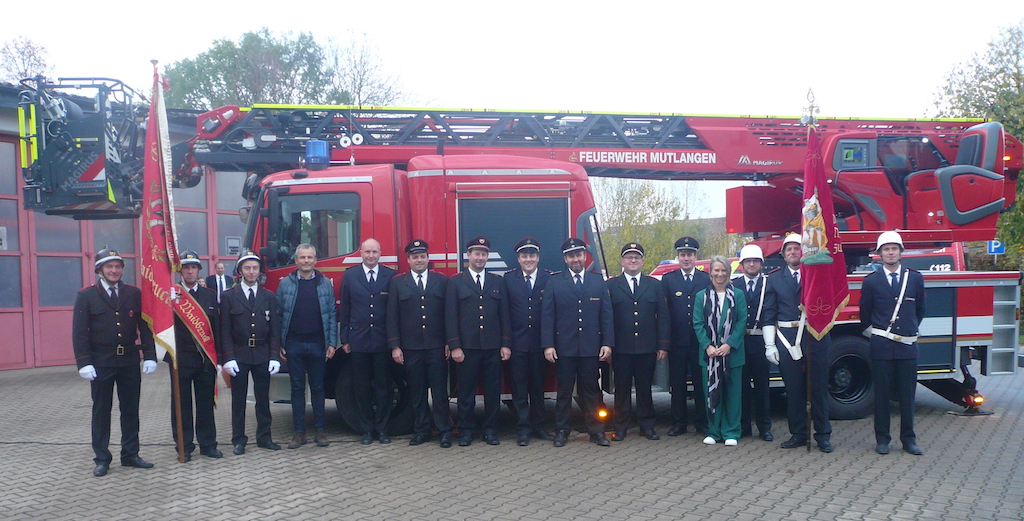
(996, 247)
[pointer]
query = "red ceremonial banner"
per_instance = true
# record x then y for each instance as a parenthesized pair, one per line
(161, 298)
(823, 277)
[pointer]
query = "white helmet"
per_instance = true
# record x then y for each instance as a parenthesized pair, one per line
(793, 237)
(751, 251)
(891, 237)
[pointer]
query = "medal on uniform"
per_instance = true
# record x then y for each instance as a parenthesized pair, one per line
(679, 293)
(268, 315)
(131, 313)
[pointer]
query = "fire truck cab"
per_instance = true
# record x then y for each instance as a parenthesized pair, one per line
(443, 200)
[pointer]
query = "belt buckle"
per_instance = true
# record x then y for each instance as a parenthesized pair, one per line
(120, 350)
(897, 338)
(252, 342)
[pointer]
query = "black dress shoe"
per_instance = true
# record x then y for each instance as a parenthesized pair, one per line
(135, 461)
(446, 440)
(543, 435)
(101, 470)
(912, 448)
(383, 439)
(619, 435)
(825, 446)
(560, 438)
(211, 453)
(676, 430)
(523, 439)
(600, 439)
(419, 439)
(188, 457)
(651, 435)
(239, 449)
(492, 439)
(793, 443)
(767, 436)
(882, 448)
(466, 440)
(269, 445)
(367, 439)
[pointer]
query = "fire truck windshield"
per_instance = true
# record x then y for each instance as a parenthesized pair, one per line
(906, 154)
(328, 221)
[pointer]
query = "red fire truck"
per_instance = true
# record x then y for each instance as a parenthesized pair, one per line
(444, 175)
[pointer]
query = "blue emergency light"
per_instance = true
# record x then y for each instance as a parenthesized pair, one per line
(318, 155)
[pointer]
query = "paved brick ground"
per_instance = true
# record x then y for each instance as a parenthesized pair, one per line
(973, 468)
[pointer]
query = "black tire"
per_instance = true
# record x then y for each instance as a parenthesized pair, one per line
(344, 397)
(401, 420)
(850, 388)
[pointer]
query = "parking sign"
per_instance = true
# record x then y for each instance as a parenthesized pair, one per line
(996, 247)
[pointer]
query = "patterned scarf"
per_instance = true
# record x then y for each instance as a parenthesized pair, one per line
(718, 366)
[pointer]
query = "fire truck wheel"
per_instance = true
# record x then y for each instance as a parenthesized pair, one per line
(401, 420)
(851, 393)
(344, 397)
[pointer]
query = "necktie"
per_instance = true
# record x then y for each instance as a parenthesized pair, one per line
(633, 280)
(372, 280)
(796, 277)
(420, 276)
(579, 282)
(192, 291)
(113, 294)
(895, 280)
(529, 282)
(479, 281)
(252, 294)
(688, 279)
(750, 286)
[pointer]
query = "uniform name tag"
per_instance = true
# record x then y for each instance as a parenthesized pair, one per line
(595, 298)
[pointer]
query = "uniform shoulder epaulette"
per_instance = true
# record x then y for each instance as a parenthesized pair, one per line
(513, 270)
(555, 272)
(773, 271)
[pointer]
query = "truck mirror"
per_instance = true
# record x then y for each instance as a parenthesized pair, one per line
(243, 214)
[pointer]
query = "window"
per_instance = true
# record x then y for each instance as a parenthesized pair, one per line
(191, 230)
(8, 170)
(116, 233)
(328, 221)
(61, 234)
(9, 226)
(194, 197)
(66, 269)
(10, 290)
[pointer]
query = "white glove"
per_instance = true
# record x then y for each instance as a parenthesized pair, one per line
(796, 352)
(88, 372)
(770, 351)
(149, 367)
(232, 367)
(274, 367)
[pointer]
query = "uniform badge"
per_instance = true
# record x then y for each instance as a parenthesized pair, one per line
(268, 315)
(131, 313)
(679, 293)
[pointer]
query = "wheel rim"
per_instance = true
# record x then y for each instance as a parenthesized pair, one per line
(849, 379)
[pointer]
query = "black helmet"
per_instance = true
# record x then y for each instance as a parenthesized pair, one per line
(190, 257)
(106, 255)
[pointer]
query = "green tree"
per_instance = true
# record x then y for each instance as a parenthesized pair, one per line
(359, 71)
(260, 68)
(991, 85)
(646, 212)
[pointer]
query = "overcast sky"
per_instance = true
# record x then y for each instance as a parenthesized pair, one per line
(862, 59)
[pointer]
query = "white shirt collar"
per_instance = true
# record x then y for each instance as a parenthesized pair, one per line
(188, 288)
(107, 286)
(580, 275)
(246, 287)
(688, 273)
(416, 277)
(899, 267)
(366, 270)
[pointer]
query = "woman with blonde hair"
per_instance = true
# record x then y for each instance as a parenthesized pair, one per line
(719, 319)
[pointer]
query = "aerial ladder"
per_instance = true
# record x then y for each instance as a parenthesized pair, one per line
(939, 180)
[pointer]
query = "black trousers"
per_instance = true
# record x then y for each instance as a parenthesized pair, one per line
(638, 368)
(582, 372)
(372, 381)
(483, 365)
(756, 406)
(428, 369)
(683, 366)
(203, 381)
(794, 375)
(128, 380)
(902, 373)
(528, 390)
(239, 392)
